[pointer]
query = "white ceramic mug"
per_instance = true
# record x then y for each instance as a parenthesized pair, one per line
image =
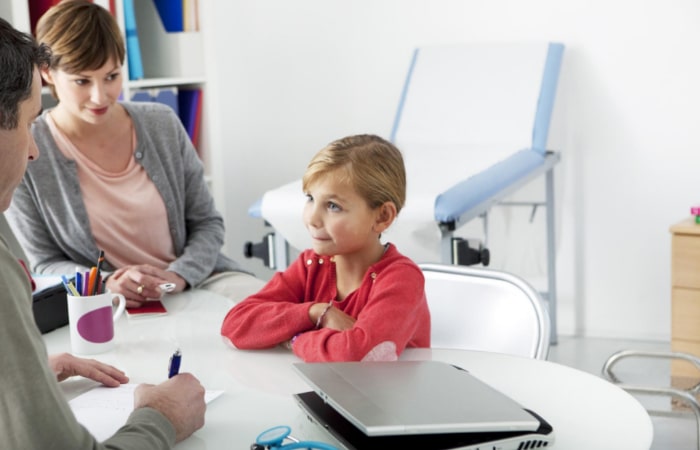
(91, 321)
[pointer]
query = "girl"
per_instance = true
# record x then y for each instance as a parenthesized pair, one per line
(350, 297)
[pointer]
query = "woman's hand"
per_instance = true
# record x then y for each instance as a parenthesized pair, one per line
(139, 283)
(65, 365)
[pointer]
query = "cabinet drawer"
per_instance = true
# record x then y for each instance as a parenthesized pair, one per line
(680, 368)
(685, 265)
(685, 314)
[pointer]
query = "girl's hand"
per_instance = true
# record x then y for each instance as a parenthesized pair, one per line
(337, 320)
(333, 318)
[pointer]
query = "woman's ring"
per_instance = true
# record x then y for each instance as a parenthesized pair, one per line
(139, 290)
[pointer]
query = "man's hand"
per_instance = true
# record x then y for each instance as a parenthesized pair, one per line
(65, 365)
(180, 399)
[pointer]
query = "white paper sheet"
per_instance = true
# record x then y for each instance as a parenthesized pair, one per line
(103, 410)
(45, 281)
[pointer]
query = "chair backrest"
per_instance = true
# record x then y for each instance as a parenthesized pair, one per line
(485, 309)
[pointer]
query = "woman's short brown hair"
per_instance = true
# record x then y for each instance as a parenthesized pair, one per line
(81, 35)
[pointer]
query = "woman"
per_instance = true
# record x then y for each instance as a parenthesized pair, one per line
(116, 176)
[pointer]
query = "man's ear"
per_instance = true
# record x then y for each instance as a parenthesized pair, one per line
(385, 217)
(46, 75)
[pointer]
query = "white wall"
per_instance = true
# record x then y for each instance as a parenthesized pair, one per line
(290, 76)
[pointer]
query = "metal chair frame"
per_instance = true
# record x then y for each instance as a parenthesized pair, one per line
(687, 396)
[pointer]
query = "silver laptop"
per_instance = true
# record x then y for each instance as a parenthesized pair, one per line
(374, 404)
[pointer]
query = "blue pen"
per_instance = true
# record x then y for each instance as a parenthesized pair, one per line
(174, 366)
(79, 282)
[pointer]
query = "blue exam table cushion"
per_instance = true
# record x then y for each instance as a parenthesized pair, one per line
(469, 193)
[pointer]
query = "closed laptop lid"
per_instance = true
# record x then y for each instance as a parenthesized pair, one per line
(328, 421)
(414, 397)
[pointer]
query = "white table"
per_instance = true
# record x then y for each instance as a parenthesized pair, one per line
(586, 411)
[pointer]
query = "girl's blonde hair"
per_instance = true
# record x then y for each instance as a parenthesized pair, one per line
(81, 35)
(372, 165)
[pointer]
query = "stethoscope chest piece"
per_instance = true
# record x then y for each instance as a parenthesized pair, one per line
(272, 437)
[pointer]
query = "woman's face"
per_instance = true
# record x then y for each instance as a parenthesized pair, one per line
(87, 95)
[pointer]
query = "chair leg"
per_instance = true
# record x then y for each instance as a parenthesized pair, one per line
(551, 258)
(678, 394)
(687, 396)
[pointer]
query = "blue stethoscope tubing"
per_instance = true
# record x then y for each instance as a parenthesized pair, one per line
(272, 438)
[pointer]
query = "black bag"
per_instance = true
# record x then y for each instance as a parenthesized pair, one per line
(50, 308)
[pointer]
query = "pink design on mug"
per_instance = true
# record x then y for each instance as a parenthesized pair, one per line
(91, 326)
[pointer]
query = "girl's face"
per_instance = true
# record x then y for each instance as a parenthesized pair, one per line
(88, 95)
(338, 219)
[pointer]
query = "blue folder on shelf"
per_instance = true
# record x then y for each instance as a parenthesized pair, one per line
(133, 48)
(166, 95)
(190, 104)
(171, 14)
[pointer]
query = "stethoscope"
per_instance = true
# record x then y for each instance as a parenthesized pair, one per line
(274, 437)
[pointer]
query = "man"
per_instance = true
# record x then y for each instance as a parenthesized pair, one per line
(34, 413)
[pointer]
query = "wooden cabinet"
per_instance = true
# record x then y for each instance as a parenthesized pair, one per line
(685, 294)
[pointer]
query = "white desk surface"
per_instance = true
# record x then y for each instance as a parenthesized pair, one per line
(586, 411)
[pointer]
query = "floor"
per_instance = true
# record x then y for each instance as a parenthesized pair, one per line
(672, 430)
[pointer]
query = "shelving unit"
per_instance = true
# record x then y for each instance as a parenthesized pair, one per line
(16, 12)
(169, 60)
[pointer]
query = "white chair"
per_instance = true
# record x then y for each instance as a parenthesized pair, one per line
(485, 309)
